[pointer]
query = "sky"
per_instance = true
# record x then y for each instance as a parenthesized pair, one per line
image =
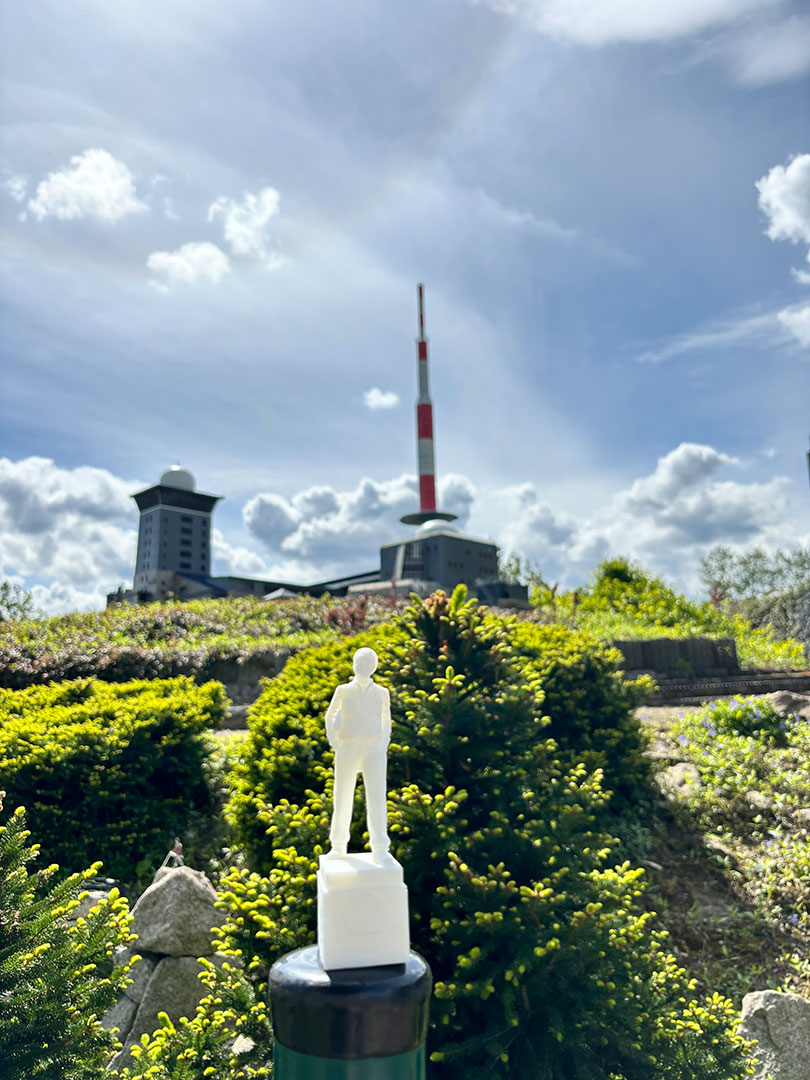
(214, 217)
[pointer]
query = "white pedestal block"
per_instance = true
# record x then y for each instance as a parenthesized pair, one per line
(362, 911)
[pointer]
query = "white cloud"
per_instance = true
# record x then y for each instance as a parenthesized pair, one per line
(15, 186)
(771, 52)
(72, 527)
(191, 263)
(666, 520)
(69, 535)
(797, 321)
(784, 198)
(94, 184)
(596, 22)
(330, 531)
(760, 331)
(245, 224)
(380, 399)
(235, 560)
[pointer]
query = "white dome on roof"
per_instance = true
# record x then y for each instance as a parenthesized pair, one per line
(435, 525)
(178, 477)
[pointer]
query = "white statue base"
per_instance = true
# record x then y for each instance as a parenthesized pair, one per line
(362, 911)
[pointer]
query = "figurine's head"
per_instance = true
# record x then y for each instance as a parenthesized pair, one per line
(364, 663)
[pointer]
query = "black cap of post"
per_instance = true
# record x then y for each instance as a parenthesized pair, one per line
(350, 1014)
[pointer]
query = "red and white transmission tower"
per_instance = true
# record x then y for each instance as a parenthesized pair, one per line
(425, 457)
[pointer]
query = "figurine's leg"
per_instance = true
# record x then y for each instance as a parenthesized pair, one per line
(345, 781)
(374, 782)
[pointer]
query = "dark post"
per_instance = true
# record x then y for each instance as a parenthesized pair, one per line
(352, 1024)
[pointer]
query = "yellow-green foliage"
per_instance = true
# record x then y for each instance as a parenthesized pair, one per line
(589, 705)
(202, 1046)
(56, 981)
(626, 603)
(544, 965)
(110, 772)
(172, 638)
(755, 786)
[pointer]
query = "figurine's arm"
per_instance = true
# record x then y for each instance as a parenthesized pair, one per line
(386, 715)
(333, 718)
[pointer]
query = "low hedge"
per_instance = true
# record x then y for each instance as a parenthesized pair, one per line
(109, 772)
(164, 640)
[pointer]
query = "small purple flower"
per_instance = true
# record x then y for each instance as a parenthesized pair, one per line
(682, 740)
(793, 919)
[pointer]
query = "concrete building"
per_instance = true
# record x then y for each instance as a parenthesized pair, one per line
(174, 557)
(174, 533)
(174, 551)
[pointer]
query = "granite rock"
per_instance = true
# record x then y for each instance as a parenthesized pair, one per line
(176, 914)
(781, 1025)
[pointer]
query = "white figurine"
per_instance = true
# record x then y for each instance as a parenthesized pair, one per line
(358, 727)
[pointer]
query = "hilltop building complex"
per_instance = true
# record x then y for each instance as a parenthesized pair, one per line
(174, 539)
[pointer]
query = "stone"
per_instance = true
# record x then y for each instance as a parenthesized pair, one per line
(362, 911)
(679, 781)
(174, 988)
(176, 914)
(120, 1016)
(140, 972)
(803, 817)
(758, 801)
(781, 1025)
(787, 703)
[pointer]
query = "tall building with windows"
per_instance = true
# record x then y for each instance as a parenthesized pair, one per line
(174, 533)
(174, 550)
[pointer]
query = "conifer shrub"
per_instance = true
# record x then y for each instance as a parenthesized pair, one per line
(226, 1039)
(544, 965)
(589, 704)
(56, 980)
(108, 771)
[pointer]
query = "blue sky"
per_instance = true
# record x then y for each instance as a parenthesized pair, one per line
(214, 218)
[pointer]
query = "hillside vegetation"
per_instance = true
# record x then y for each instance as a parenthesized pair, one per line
(161, 640)
(580, 924)
(624, 602)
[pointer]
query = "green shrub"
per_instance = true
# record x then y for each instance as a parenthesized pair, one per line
(589, 704)
(544, 966)
(55, 981)
(202, 1047)
(107, 771)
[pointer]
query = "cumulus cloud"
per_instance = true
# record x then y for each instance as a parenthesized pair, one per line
(191, 263)
(667, 519)
(332, 531)
(94, 184)
(245, 224)
(784, 198)
(380, 399)
(797, 321)
(72, 527)
(69, 534)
